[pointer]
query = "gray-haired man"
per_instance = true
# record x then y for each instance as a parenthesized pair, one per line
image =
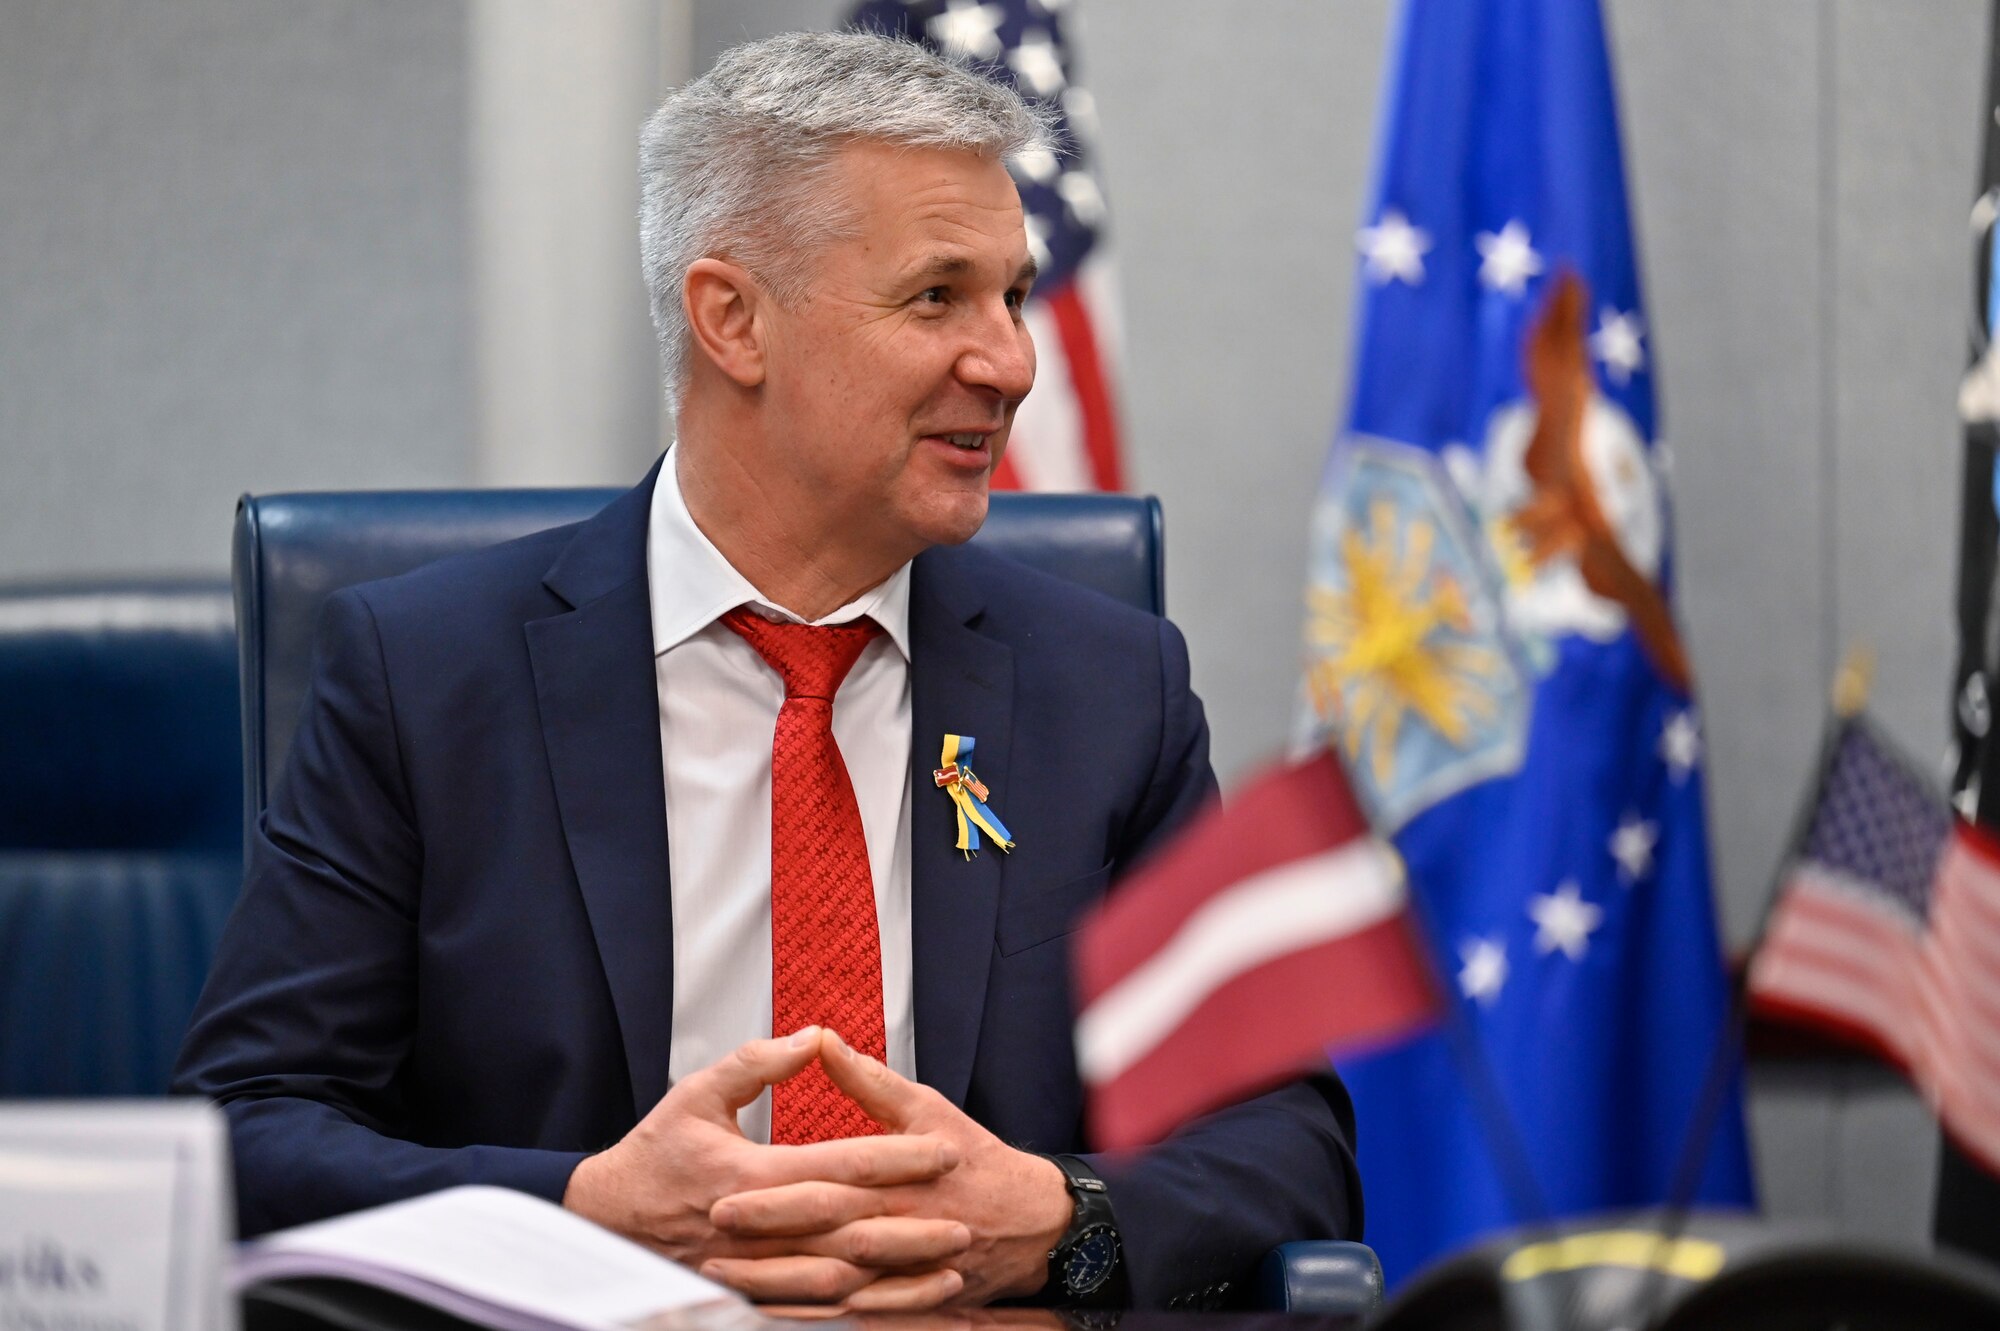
(576, 821)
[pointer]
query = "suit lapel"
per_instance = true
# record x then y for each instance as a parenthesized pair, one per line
(595, 682)
(961, 683)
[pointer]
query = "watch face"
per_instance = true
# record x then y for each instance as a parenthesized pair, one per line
(1091, 1259)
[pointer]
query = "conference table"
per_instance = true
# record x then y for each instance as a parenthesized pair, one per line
(1030, 1319)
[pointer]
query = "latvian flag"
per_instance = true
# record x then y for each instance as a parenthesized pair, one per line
(1273, 927)
(1887, 932)
(1065, 435)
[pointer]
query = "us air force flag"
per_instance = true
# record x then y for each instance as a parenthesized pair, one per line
(1488, 639)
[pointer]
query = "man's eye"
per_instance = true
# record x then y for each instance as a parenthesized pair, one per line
(934, 295)
(1017, 298)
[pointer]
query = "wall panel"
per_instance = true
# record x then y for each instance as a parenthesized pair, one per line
(1907, 101)
(234, 257)
(1721, 112)
(1236, 145)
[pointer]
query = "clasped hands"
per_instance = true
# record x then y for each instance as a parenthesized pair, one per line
(938, 1211)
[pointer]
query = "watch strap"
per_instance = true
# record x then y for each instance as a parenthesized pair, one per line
(1091, 1200)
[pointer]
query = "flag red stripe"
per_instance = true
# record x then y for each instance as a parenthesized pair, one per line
(1979, 842)
(1959, 896)
(1951, 981)
(1800, 972)
(1004, 475)
(1872, 950)
(1963, 965)
(1971, 941)
(1825, 928)
(1830, 890)
(1088, 381)
(1283, 815)
(1958, 1082)
(1929, 1003)
(1949, 1041)
(1265, 1025)
(1960, 1021)
(1969, 1110)
(1831, 951)
(1813, 899)
(1787, 985)
(1959, 1029)
(1984, 1147)
(1781, 1005)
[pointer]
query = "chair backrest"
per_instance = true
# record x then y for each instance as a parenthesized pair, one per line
(118, 716)
(294, 550)
(120, 826)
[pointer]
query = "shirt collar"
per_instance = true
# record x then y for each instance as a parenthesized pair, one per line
(691, 584)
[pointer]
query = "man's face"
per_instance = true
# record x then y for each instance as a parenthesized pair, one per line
(893, 383)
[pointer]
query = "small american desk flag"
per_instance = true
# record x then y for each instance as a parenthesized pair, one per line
(1065, 435)
(1887, 932)
(1273, 927)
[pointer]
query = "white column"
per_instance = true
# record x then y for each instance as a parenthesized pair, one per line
(567, 371)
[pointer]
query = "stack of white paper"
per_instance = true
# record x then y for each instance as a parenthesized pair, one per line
(490, 1256)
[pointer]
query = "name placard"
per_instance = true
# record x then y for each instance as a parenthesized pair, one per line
(115, 1215)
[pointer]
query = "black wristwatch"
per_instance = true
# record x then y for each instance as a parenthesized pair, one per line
(1085, 1266)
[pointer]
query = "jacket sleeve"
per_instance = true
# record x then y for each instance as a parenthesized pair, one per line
(1199, 1211)
(308, 1015)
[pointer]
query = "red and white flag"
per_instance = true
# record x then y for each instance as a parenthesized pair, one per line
(1065, 434)
(1887, 932)
(1273, 927)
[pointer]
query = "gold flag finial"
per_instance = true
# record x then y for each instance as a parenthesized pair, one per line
(1851, 682)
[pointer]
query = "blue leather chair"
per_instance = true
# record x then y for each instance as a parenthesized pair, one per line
(120, 854)
(293, 550)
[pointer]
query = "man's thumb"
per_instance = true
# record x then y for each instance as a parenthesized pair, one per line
(882, 1095)
(740, 1077)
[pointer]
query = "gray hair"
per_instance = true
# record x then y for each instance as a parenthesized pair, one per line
(737, 163)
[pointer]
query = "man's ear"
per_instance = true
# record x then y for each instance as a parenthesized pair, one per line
(725, 308)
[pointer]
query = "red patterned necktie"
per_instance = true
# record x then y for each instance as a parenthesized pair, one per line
(826, 951)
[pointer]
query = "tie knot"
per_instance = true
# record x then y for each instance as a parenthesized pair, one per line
(812, 659)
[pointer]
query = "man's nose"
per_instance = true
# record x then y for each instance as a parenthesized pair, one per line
(1000, 356)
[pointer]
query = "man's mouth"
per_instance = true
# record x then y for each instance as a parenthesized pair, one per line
(965, 441)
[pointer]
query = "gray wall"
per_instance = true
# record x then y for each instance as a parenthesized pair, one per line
(235, 254)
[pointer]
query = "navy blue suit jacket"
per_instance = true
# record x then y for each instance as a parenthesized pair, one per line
(452, 962)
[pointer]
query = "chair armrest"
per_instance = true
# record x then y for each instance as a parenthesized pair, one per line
(1320, 1276)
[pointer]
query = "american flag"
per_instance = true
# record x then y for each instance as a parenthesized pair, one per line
(1887, 932)
(1066, 434)
(1271, 928)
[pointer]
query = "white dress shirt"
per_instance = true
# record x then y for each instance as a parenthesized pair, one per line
(719, 705)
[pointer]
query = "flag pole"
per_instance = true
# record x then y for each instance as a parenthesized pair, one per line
(1510, 1152)
(1849, 698)
(1515, 1165)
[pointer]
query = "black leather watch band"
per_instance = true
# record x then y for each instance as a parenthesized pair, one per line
(1087, 1265)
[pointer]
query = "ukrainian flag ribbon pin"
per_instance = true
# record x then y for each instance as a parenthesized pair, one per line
(968, 796)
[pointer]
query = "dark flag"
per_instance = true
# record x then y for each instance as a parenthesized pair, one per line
(1066, 434)
(1968, 1197)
